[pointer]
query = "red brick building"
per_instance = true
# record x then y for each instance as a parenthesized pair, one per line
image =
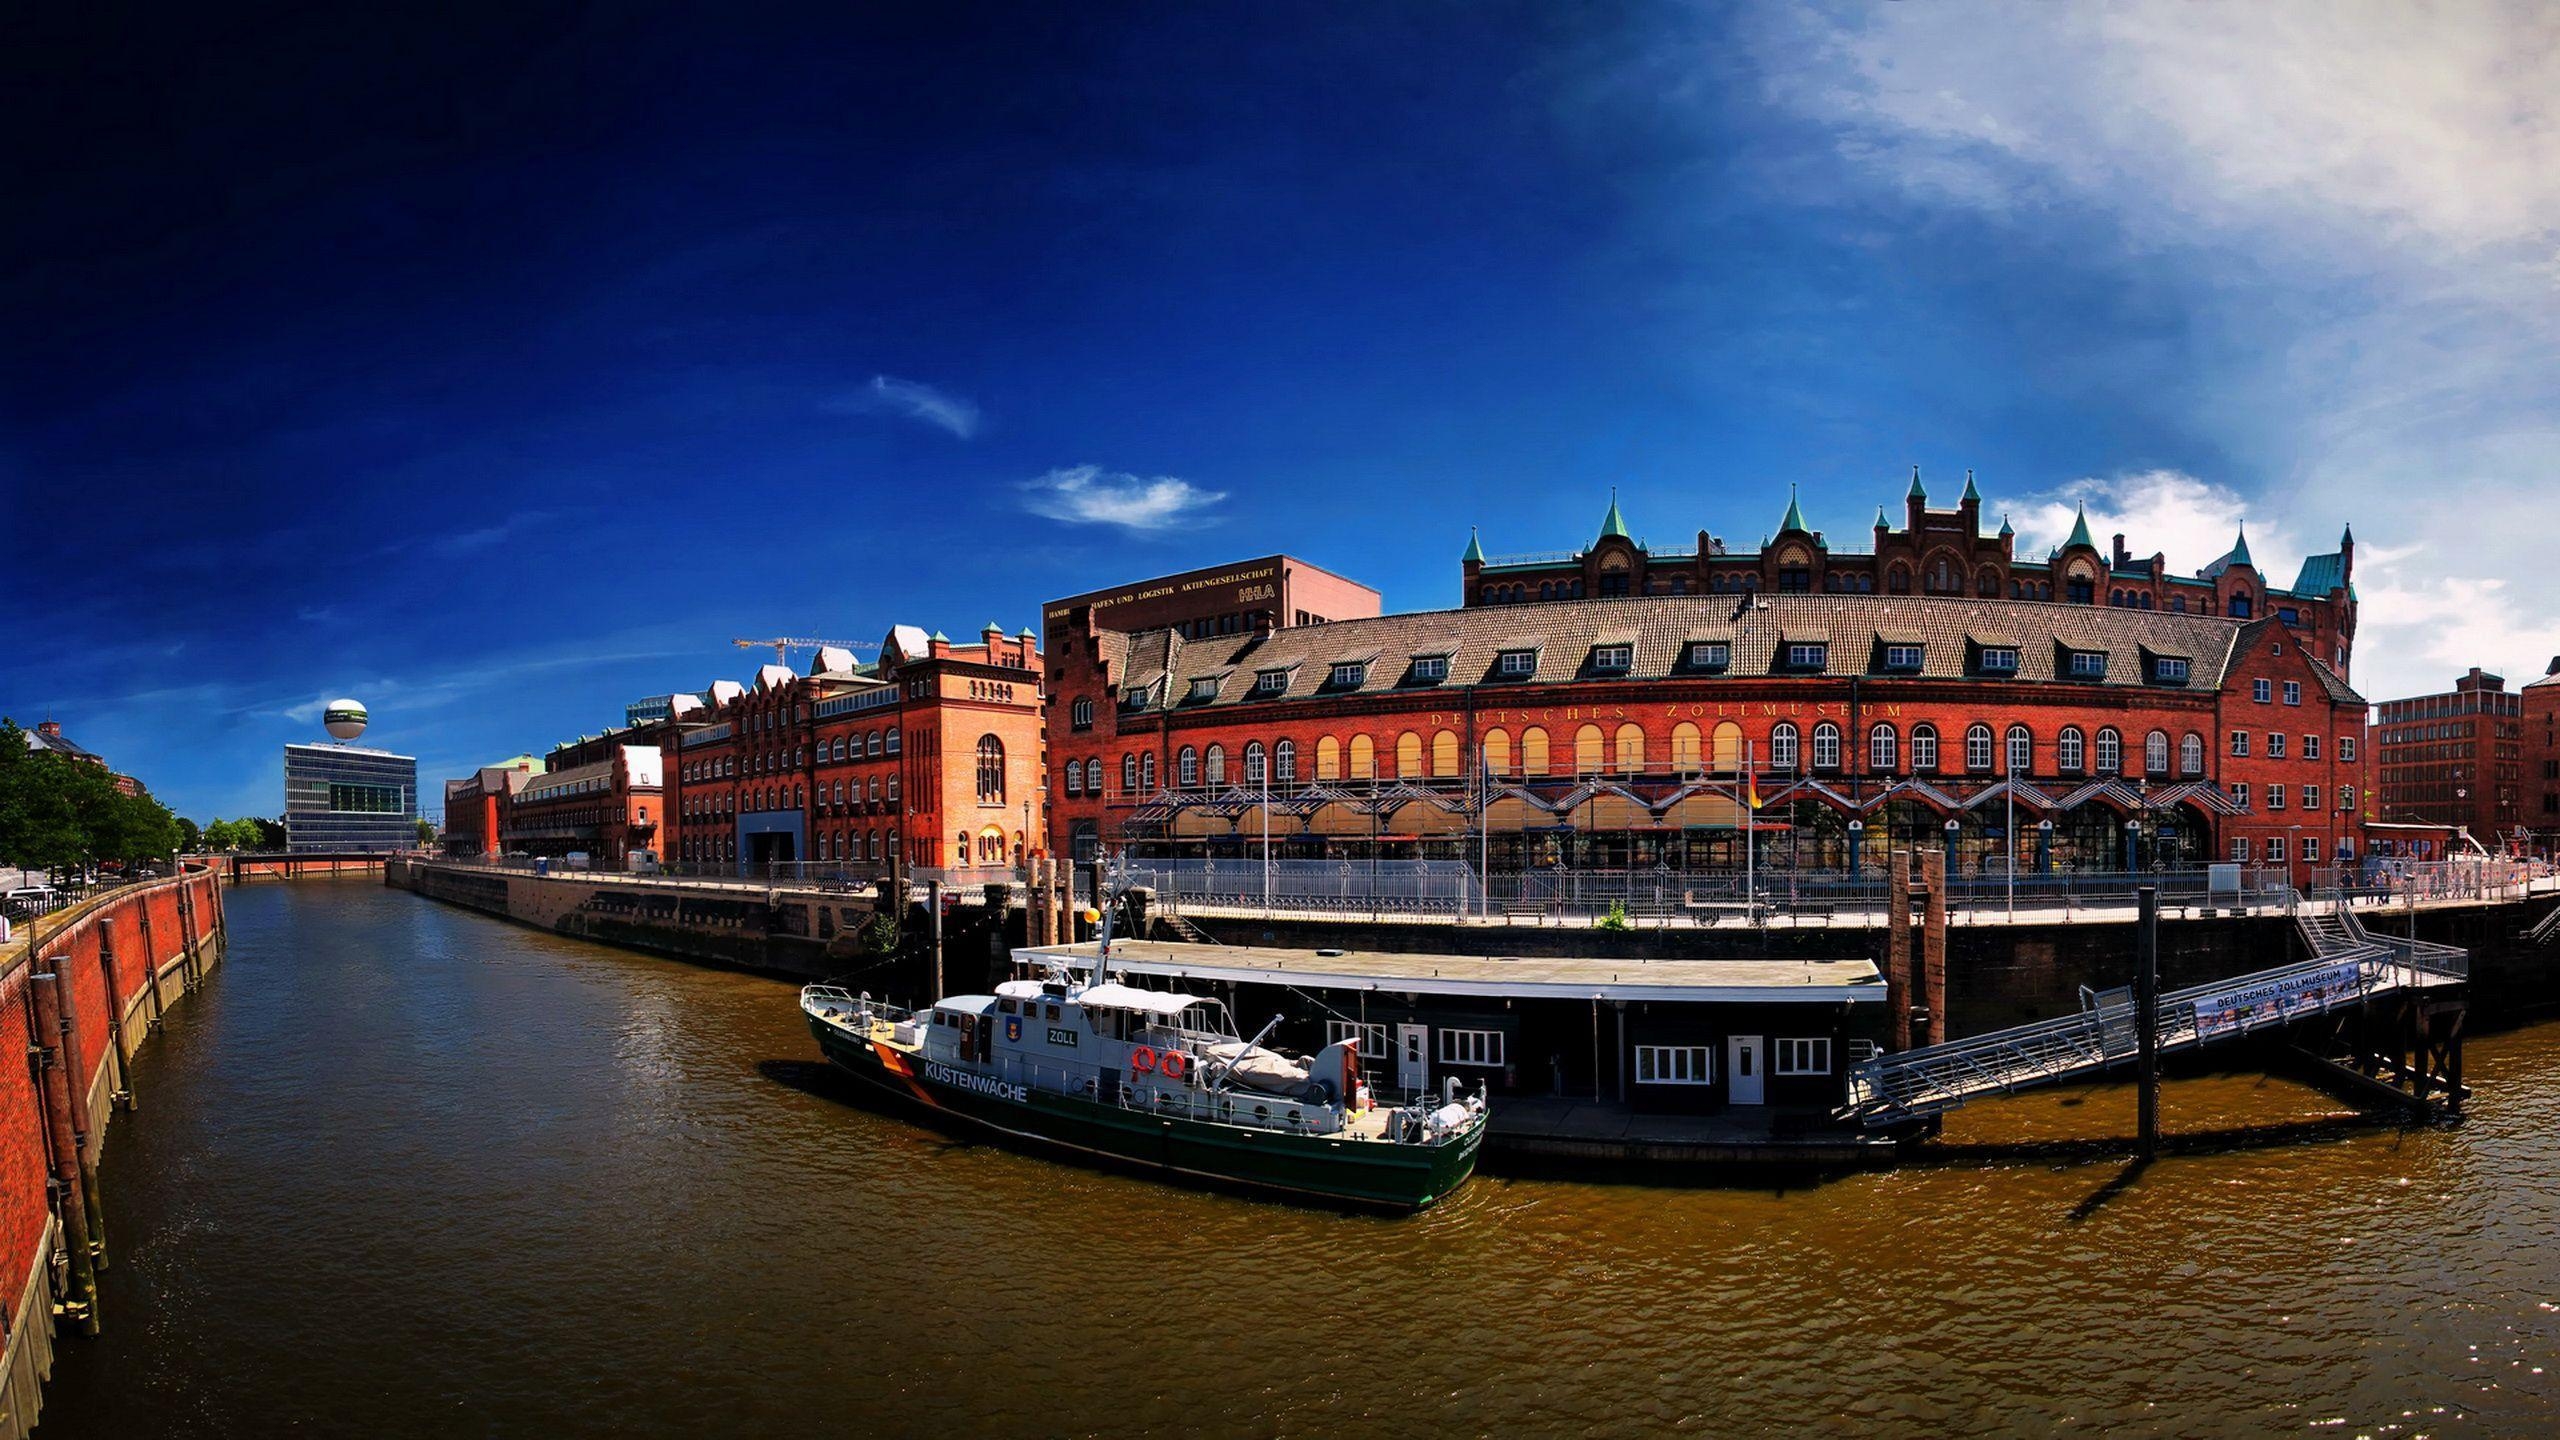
(1274, 592)
(2455, 759)
(1612, 724)
(932, 756)
(2542, 759)
(603, 797)
(475, 805)
(47, 739)
(1941, 553)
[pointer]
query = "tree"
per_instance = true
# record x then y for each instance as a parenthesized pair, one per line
(269, 834)
(61, 813)
(426, 832)
(190, 834)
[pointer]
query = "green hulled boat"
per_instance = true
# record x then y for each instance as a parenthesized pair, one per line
(1156, 1080)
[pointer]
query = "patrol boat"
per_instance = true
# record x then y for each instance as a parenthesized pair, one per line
(1157, 1080)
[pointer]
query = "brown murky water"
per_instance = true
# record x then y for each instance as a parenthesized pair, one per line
(408, 1171)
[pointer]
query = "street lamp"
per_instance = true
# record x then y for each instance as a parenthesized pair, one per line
(2044, 847)
(1857, 832)
(2132, 838)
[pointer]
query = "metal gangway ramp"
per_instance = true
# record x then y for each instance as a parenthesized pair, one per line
(2349, 967)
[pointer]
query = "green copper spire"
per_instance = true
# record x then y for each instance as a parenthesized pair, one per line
(2080, 531)
(2005, 531)
(2240, 548)
(1615, 524)
(1917, 493)
(1795, 515)
(2347, 537)
(1969, 492)
(1880, 520)
(1475, 549)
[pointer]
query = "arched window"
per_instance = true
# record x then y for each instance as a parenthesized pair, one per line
(1726, 758)
(1497, 751)
(1408, 755)
(893, 739)
(1589, 751)
(1364, 758)
(1257, 764)
(1186, 768)
(2191, 754)
(1782, 747)
(2067, 751)
(1147, 773)
(2022, 751)
(1075, 777)
(1533, 751)
(1630, 750)
(1444, 753)
(1826, 746)
(1884, 750)
(1217, 766)
(1924, 749)
(1686, 749)
(871, 744)
(893, 786)
(1977, 747)
(2110, 751)
(2155, 753)
(1284, 762)
(990, 770)
(1328, 758)
(1129, 774)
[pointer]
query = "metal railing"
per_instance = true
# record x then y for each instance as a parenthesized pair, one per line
(1912, 1084)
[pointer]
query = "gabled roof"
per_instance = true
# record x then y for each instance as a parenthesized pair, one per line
(1660, 627)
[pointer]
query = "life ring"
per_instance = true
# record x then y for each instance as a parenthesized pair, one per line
(1174, 1065)
(1142, 1060)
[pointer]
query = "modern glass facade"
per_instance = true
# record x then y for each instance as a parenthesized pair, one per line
(339, 799)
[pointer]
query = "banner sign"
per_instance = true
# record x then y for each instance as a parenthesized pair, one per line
(2304, 992)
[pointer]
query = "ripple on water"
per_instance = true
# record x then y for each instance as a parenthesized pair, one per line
(404, 1170)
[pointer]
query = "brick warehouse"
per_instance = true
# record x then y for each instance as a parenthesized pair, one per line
(932, 756)
(1603, 710)
(2454, 760)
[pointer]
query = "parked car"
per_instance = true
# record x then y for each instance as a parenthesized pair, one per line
(32, 900)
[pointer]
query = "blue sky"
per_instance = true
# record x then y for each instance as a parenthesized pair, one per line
(498, 368)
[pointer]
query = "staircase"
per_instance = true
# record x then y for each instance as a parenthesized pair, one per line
(1182, 928)
(2348, 967)
(2545, 930)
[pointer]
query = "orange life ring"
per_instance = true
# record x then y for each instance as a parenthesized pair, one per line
(1174, 1065)
(1142, 1060)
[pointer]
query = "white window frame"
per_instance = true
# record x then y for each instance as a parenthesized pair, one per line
(1999, 660)
(2263, 691)
(1205, 688)
(2275, 745)
(1372, 1040)
(2293, 692)
(1518, 662)
(1271, 682)
(1924, 749)
(1903, 657)
(1349, 676)
(2275, 795)
(1675, 1065)
(1710, 654)
(2346, 749)
(2088, 665)
(1802, 1055)
(2240, 744)
(2168, 671)
(1978, 750)
(2239, 849)
(2310, 747)
(1431, 667)
(2310, 797)
(1826, 746)
(1808, 655)
(1471, 1047)
(1613, 657)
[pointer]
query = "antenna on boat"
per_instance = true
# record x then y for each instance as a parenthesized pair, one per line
(1102, 901)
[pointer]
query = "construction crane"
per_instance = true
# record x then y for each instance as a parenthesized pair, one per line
(784, 644)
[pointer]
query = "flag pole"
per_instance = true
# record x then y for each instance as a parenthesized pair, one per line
(1750, 833)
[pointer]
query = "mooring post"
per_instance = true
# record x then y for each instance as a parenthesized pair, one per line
(151, 965)
(81, 1242)
(1932, 976)
(1897, 950)
(933, 922)
(2146, 1017)
(119, 1084)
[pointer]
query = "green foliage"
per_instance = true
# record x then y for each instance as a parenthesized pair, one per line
(60, 813)
(426, 832)
(190, 834)
(1615, 918)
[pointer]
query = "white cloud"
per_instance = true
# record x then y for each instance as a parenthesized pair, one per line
(2362, 202)
(1090, 495)
(915, 400)
(2190, 521)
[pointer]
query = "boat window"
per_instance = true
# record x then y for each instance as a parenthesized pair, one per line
(1053, 1011)
(1005, 1005)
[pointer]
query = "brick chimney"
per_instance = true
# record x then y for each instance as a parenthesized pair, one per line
(52, 729)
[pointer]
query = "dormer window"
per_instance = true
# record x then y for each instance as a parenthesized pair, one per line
(1614, 658)
(1710, 654)
(2168, 670)
(1204, 688)
(1271, 682)
(1999, 660)
(1902, 657)
(1136, 698)
(2088, 665)
(1808, 655)
(1431, 669)
(1349, 675)
(1517, 664)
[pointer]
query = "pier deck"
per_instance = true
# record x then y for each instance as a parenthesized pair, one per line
(1549, 977)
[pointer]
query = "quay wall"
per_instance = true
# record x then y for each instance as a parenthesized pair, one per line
(800, 934)
(121, 961)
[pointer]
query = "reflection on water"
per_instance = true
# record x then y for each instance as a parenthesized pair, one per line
(402, 1170)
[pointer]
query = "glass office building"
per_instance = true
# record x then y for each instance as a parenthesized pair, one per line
(339, 799)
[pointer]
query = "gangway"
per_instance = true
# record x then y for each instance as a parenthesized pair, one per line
(2348, 968)
(2545, 930)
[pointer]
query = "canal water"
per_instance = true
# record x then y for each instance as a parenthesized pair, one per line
(404, 1170)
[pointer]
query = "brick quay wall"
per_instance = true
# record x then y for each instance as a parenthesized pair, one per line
(89, 985)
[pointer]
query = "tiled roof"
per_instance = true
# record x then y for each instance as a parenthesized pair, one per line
(1661, 627)
(2320, 575)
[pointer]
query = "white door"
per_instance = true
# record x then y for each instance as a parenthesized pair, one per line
(1745, 1084)
(1413, 1056)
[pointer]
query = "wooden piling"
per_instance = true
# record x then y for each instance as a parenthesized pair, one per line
(1897, 949)
(1933, 945)
(151, 966)
(933, 920)
(81, 1243)
(119, 1083)
(2146, 1019)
